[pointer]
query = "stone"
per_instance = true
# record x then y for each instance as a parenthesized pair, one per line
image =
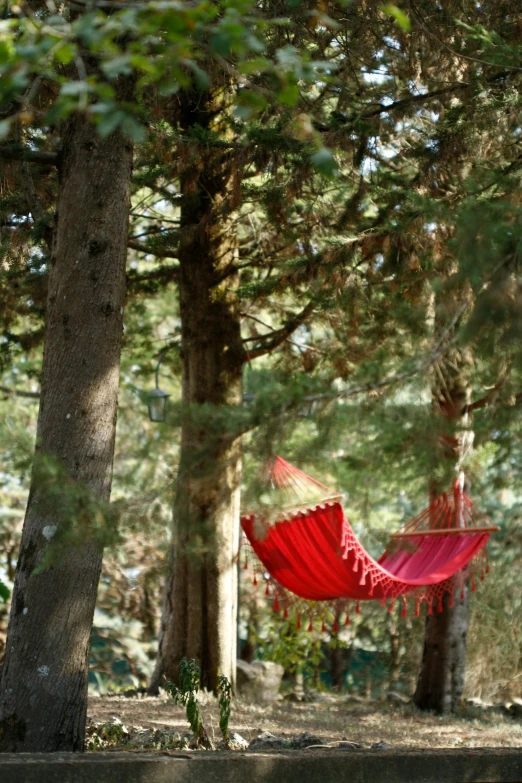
(352, 698)
(259, 682)
(267, 741)
(505, 708)
(495, 709)
(237, 742)
(306, 740)
(380, 745)
(474, 701)
(246, 673)
(515, 709)
(143, 737)
(396, 698)
(318, 697)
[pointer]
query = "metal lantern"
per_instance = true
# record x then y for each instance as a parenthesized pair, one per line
(157, 404)
(157, 399)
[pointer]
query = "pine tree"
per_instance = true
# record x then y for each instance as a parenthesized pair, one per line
(441, 679)
(352, 256)
(76, 427)
(53, 600)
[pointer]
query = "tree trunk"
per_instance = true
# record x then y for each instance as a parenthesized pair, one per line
(441, 679)
(200, 601)
(394, 660)
(43, 692)
(336, 654)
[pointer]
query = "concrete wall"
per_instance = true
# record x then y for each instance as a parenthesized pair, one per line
(370, 766)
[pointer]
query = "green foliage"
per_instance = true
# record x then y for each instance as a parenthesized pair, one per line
(79, 517)
(400, 17)
(225, 700)
(297, 650)
(168, 48)
(370, 168)
(4, 591)
(324, 162)
(186, 694)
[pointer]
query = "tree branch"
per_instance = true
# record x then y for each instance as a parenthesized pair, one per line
(34, 204)
(269, 342)
(412, 99)
(403, 103)
(141, 248)
(17, 152)
(491, 395)
(442, 345)
(16, 393)
(162, 276)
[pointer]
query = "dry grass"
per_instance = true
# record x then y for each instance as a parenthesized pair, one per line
(401, 727)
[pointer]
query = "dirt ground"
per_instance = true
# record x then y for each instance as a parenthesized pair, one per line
(332, 719)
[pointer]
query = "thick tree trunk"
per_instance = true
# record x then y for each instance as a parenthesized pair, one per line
(441, 679)
(43, 692)
(200, 600)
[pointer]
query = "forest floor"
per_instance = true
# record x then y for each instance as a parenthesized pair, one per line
(118, 721)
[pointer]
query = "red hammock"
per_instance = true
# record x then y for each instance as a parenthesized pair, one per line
(311, 550)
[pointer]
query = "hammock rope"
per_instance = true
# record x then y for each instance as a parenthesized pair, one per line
(310, 555)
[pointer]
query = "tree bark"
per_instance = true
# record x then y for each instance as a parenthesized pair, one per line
(441, 679)
(337, 666)
(200, 600)
(43, 691)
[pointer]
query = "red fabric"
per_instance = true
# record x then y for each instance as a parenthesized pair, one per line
(316, 556)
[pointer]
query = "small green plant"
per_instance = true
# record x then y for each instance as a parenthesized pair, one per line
(186, 694)
(107, 735)
(4, 592)
(225, 699)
